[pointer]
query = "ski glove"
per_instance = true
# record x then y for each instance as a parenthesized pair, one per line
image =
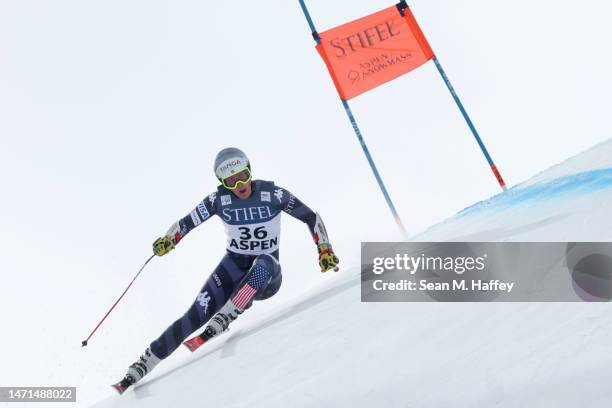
(327, 259)
(163, 245)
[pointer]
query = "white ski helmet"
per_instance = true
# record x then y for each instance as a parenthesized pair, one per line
(230, 161)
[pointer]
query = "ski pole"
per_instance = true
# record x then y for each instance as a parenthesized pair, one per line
(84, 343)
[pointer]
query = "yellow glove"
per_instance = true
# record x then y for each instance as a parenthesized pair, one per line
(163, 245)
(327, 259)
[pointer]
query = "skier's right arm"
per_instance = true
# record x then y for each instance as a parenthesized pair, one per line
(205, 210)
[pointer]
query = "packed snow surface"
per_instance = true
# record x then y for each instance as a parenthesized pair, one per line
(327, 349)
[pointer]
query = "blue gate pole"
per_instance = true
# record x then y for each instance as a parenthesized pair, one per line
(496, 172)
(353, 121)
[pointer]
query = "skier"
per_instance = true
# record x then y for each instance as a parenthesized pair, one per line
(250, 269)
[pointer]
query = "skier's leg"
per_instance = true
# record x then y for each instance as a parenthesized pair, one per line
(273, 286)
(261, 282)
(215, 293)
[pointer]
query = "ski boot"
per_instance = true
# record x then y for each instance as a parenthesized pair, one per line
(137, 371)
(217, 325)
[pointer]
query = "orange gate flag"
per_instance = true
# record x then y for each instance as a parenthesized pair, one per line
(373, 50)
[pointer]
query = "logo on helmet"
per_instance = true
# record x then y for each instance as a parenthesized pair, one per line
(232, 166)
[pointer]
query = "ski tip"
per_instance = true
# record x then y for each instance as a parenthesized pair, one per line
(194, 343)
(119, 388)
(190, 347)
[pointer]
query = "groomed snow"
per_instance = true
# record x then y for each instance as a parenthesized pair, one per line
(327, 349)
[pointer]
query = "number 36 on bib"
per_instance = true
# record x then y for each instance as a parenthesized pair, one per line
(254, 239)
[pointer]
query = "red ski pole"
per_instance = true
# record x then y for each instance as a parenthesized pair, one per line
(84, 343)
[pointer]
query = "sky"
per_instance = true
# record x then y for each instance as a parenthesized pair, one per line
(111, 114)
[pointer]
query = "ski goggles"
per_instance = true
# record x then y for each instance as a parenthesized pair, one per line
(235, 180)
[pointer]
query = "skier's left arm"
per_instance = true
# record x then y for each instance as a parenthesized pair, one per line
(205, 209)
(295, 208)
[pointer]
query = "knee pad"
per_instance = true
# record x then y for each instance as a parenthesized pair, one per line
(271, 289)
(259, 276)
(275, 278)
(265, 269)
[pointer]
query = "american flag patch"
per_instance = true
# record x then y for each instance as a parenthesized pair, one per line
(244, 296)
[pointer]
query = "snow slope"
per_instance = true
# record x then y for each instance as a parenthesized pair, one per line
(568, 202)
(328, 349)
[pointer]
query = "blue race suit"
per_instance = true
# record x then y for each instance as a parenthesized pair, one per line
(253, 231)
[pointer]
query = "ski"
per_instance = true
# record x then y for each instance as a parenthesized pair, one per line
(194, 343)
(122, 385)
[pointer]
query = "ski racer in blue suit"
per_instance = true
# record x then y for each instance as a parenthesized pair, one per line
(250, 270)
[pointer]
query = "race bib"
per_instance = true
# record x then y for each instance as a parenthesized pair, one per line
(254, 239)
